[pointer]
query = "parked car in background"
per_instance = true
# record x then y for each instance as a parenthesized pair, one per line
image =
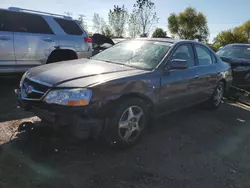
(238, 56)
(30, 38)
(100, 42)
(120, 90)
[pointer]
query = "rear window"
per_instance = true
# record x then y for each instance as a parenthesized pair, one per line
(69, 26)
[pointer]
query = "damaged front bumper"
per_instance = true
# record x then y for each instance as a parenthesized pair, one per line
(77, 118)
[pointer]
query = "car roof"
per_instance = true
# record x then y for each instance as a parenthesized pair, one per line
(34, 12)
(239, 44)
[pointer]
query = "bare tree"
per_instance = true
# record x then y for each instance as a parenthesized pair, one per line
(98, 23)
(145, 11)
(82, 22)
(133, 25)
(117, 20)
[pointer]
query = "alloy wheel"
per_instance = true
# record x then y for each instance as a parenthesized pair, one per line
(130, 123)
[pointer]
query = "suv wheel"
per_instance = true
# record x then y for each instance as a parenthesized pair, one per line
(128, 123)
(217, 96)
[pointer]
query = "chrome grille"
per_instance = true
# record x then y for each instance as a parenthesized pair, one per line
(32, 90)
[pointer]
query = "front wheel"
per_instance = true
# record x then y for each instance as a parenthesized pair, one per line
(215, 101)
(127, 125)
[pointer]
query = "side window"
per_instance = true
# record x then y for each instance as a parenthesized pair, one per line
(69, 26)
(29, 23)
(4, 20)
(203, 55)
(185, 52)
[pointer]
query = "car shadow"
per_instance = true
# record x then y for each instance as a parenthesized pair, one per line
(43, 157)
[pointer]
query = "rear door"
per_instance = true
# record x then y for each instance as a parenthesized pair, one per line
(34, 40)
(178, 87)
(7, 56)
(75, 38)
(208, 73)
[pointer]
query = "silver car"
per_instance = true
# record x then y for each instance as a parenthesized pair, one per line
(30, 38)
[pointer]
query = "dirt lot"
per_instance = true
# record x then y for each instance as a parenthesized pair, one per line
(191, 148)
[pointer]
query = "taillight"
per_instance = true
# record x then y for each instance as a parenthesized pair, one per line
(88, 40)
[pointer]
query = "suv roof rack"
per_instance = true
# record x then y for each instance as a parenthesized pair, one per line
(39, 12)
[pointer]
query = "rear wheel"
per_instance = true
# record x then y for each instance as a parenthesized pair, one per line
(215, 101)
(127, 126)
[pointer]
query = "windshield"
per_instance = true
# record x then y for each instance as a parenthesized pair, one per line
(235, 52)
(135, 53)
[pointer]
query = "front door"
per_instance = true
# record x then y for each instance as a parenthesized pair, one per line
(177, 86)
(7, 56)
(33, 40)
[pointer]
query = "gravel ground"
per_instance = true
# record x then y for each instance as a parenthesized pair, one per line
(190, 148)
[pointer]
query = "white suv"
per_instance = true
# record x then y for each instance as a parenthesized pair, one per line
(30, 38)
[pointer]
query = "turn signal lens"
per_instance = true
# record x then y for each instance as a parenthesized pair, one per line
(77, 103)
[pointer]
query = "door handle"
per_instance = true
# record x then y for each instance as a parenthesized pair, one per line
(4, 38)
(48, 40)
(196, 77)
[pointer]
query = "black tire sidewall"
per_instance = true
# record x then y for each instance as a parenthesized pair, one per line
(112, 125)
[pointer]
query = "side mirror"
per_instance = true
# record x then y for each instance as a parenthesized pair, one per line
(178, 64)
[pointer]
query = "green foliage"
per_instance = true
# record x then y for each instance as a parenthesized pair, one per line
(230, 36)
(146, 15)
(216, 46)
(107, 32)
(159, 33)
(244, 28)
(189, 25)
(117, 19)
(239, 34)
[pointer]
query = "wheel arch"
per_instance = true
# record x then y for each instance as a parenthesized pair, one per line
(64, 51)
(111, 105)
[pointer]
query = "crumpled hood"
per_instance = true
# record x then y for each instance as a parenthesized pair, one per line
(68, 71)
(236, 61)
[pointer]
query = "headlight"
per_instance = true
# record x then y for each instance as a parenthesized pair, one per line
(69, 97)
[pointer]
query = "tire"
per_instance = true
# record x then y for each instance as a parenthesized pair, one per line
(215, 101)
(126, 128)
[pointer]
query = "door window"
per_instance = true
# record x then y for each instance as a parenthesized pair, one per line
(185, 52)
(4, 20)
(203, 55)
(29, 23)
